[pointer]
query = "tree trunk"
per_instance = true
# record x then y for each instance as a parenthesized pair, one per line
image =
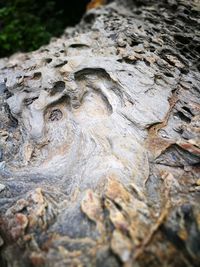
(100, 145)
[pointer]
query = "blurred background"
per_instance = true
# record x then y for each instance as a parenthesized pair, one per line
(25, 25)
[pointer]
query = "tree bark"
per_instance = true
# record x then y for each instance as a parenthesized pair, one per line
(99, 143)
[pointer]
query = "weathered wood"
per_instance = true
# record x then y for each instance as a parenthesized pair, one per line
(100, 142)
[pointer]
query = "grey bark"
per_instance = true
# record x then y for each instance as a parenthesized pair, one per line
(99, 143)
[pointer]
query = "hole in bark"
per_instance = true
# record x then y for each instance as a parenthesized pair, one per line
(197, 49)
(134, 43)
(58, 87)
(152, 49)
(182, 39)
(79, 46)
(138, 12)
(55, 115)
(89, 18)
(29, 101)
(48, 60)
(37, 75)
(185, 50)
(183, 117)
(179, 46)
(187, 12)
(61, 64)
(188, 110)
(168, 74)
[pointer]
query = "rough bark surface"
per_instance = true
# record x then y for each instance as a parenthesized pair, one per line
(100, 145)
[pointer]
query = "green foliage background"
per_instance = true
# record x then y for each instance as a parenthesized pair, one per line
(25, 25)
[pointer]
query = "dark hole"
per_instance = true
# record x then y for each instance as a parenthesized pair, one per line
(55, 115)
(134, 43)
(188, 110)
(185, 50)
(182, 39)
(183, 117)
(78, 46)
(178, 45)
(127, 60)
(174, 6)
(187, 12)
(138, 12)
(183, 17)
(37, 75)
(152, 48)
(179, 131)
(58, 87)
(187, 210)
(173, 237)
(61, 64)
(156, 29)
(29, 101)
(48, 60)
(184, 70)
(168, 74)
(147, 62)
(197, 48)
(194, 13)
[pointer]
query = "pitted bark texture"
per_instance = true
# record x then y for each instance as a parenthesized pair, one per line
(100, 145)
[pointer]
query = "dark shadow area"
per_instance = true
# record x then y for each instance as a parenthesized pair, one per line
(25, 25)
